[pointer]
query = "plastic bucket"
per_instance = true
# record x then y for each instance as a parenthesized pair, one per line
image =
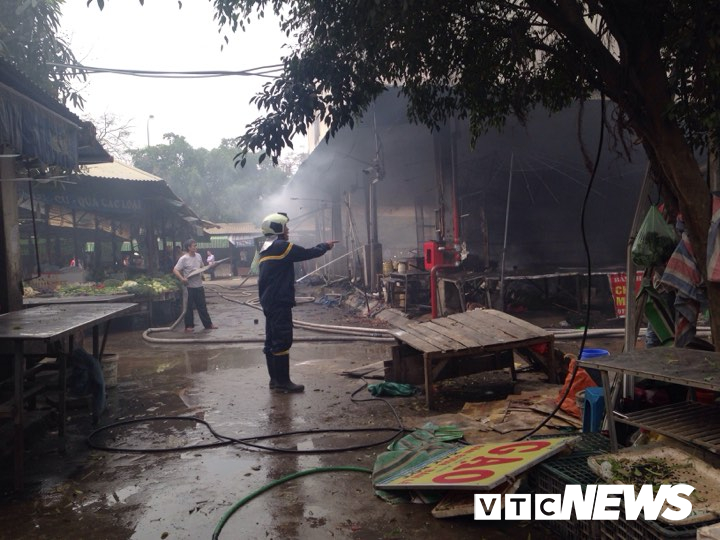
(109, 366)
(593, 353)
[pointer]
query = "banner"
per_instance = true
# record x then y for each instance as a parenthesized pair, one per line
(618, 289)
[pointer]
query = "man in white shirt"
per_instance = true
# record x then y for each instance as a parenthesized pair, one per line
(185, 266)
(210, 259)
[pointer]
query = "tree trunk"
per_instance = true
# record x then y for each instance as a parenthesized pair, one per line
(646, 102)
(681, 170)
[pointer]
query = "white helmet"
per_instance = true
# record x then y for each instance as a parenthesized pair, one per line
(275, 224)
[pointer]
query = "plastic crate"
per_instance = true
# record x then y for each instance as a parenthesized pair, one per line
(640, 529)
(592, 443)
(587, 443)
(552, 476)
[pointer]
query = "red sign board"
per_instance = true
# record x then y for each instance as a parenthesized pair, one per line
(618, 289)
(475, 467)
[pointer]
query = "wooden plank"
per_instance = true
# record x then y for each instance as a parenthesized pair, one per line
(534, 329)
(414, 341)
(456, 331)
(440, 343)
(500, 328)
(393, 317)
(444, 342)
(484, 332)
(504, 326)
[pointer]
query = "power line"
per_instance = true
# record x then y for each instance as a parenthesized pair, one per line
(269, 71)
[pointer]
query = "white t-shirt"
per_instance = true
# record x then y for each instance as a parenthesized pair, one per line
(188, 264)
(210, 258)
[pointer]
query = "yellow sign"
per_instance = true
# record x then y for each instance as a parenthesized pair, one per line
(482, 466)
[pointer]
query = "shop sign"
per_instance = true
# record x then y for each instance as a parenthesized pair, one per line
(482, 466)
(618, 289)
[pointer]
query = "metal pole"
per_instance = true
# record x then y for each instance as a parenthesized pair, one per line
(504, 248)
(631, 325)
(147, 125)
(328, 264)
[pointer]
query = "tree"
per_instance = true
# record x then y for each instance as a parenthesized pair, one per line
(487, 59)
(658, 60)
(113, 134)
(207, 180)
(29, 39)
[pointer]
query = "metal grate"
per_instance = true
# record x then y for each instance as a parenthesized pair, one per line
(689, 421)
(553, 475)
(640, 529)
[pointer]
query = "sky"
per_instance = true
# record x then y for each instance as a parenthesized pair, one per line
(158, 36)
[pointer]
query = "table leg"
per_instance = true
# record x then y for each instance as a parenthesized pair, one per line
(19, 415)
(96, 341)
(609, 409)
(104, 341)
(62, 391)
(551, 363)
(429, 391)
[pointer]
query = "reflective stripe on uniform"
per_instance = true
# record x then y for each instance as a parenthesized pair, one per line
(276, 257)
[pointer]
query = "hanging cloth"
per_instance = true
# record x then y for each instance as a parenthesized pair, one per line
(682, 273)
(713, 242)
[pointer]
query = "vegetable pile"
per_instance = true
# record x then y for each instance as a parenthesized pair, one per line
(144, 286)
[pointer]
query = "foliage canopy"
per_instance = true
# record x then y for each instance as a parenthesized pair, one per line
(207, 180)
(486, 60)
(29, 39)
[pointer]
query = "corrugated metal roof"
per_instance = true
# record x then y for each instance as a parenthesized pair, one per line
(235, 228)
(117, 170)
(216, 242)
(36, 125)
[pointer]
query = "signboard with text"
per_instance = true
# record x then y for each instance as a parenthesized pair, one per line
(481, 466)
(618, 289)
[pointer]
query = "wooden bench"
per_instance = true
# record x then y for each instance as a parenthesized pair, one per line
(475, 341)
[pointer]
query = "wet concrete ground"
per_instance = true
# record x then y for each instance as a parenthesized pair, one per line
(153, 494)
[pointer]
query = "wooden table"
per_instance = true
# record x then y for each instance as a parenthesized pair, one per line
(476, 336)
(690, 421)
(94, 299)
(49, 324)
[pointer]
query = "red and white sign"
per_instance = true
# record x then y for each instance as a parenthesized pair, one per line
(618, 289)
(480, 466)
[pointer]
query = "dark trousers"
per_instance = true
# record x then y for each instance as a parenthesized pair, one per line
(196, 300)
(278, 330)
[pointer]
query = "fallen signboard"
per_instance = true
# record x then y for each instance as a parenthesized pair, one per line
(474, 467)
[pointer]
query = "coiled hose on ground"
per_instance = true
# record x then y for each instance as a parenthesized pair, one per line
(347, 333)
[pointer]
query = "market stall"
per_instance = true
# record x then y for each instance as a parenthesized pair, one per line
(89, 219)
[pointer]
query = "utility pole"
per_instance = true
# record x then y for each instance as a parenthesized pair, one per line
(147, 126)
(376, 173)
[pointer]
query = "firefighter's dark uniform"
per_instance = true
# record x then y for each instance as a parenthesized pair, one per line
(276, 286)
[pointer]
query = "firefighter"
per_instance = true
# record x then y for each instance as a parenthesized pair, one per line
(276, 287)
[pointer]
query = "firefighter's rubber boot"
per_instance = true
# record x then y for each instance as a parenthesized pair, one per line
(282, 376)
(270, 360)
